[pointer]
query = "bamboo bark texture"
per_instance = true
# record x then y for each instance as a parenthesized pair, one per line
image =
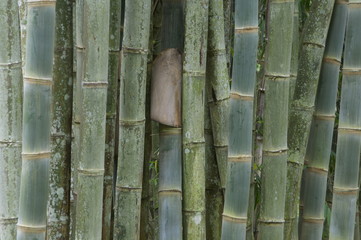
(345, 188)
(241, 120)
(132, 119)
(92, 62)
(36, 148)
(321, 134)
(302, 106)
(277, 75)
(193, 97)
(10, 117)
(59, 196)
(218, 85)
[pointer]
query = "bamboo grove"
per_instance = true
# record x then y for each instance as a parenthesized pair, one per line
(180, 119)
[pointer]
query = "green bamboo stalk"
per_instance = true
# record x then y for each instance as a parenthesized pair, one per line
(111, 115)
(58, 207)
(241, 120)
(132, 119)
(214, 192)
(277, 75)
(92, 61)
(193, 97)
(10, 117)
(320, 141)
(218, 86)
(302, 106)
(36, 149)
(345, 188)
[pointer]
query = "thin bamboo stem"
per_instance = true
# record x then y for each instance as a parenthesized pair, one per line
(36, 148)
(10, 117)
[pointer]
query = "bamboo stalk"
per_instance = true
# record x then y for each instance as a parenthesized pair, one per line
(92, 62)
(234, 221)
(10, 117)
(218, 86)
(115, 14)
(321, 135)
(36, 149)
(132, 119)
(302, 106)
(228, 14)
(295, 49)
(58, 208)
(277, 75)
(345, 188)
(193, 97)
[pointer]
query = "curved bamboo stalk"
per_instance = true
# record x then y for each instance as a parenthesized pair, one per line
(241, 120)
(319, 144)
(302, 106)
(36, 149)
(10, 117)
(92, 62)
(345, 188)
(193, 97)
(218, 86)
(115, 14)
(277, 75)
(132, 119)
(58, 208)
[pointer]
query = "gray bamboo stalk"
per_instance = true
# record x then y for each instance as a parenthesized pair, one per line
(132, 119)
(277, 75)
(214, 191)
(228, 14)
(92, 62)
(240, 157)
(345, 187)
(115, 14)
(59, 195)
(218, 87)
(10, 117)
(193, 97)
(302, 106)
(36, 149)
(320, 141)
(295, 49)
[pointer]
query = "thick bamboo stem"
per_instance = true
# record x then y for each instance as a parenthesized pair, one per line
(277, 75)
(36, 149)
(59, 196)
(240, 157)
(10, 117)
(92, 62)
(302, 106)
(345, 188)
(132, 119)
(321, 135)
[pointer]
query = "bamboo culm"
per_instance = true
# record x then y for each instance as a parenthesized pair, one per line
(59, 198)
(92, 63)
(241, 120)
(345, 187)
(132, 119)
(319, 144)
(36, 148)
(302, 106)
(277, 75)
(10, 117)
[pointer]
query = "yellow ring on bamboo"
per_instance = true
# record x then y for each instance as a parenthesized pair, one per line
(31, 229)
(39, 3)
(229, 218)
(36, 156)
(38, 81)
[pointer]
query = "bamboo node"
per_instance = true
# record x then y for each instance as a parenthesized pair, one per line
(351, 71)
(279, 77)
(235, 219)
(170, 131)
(38, 81)
(132, 123)
(36, 156)
(345, 191)
(8, 221)
(324, 116)
(349, 130)
(134, 50)
(283, 1)
(249, 29)
(128, 189)
(236, 95)
(317, 170)
(271, 221)
(91, 172)
(240, 158)
(169, 191)
(313, 220)
(275, 152)
(194, 73)
(11, 65)
(354, 4)
(95, 84)
(11, 143)
(332, 60)
(31, 229)
(39, 3)
(314, 44)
